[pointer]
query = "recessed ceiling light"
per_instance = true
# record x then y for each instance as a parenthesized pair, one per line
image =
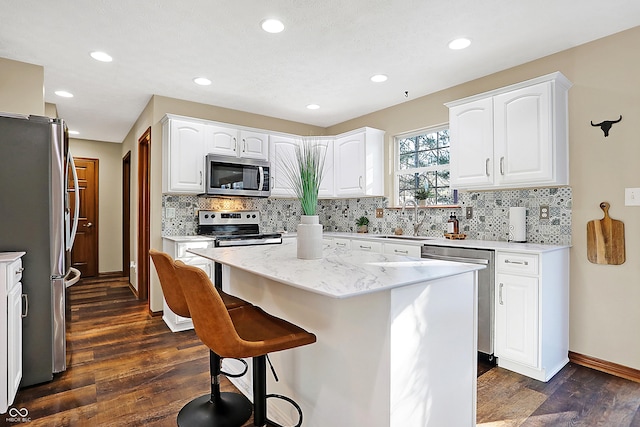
(101, 56)
(64, 94)
(460, 43)
(313, 106)
(272, 25)
(74, 132)
(202, 81)
(379, 78)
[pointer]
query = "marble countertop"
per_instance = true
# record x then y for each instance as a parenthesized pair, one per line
(341, 273)
(180, 239)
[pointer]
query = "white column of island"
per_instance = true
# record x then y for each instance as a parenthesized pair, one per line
(396, 335)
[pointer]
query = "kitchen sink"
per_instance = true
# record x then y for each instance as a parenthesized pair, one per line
(400, 237)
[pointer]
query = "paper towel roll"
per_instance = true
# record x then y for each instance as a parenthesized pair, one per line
(518, 224)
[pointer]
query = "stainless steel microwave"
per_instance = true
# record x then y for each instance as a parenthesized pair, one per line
(229, 176)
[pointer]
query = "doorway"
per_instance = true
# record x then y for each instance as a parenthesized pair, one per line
(84, 255)
(144, 215)
(126, 215)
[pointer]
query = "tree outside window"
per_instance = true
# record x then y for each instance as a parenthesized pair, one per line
(423, 163)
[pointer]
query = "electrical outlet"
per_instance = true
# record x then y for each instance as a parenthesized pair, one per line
(379, 213)
(469, 212)
(632, 196)
(544, 211)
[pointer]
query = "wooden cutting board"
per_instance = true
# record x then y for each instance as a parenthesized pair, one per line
(605, 239)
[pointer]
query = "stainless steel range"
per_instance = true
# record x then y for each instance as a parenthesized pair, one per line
(241, 228)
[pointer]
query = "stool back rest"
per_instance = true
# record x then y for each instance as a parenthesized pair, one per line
(211, 319)
(171, 288)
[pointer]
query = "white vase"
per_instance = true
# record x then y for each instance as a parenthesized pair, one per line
(309, 237)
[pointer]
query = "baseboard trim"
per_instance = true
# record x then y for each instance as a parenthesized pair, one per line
(604, 366)
(134, 290)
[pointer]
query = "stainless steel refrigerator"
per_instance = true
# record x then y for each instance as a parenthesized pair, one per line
(35, 218)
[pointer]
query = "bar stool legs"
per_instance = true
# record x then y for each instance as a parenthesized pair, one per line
(215, 409)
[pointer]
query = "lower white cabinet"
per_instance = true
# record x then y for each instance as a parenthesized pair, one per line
(364, 245)
(10, 327)
(532, 312)
(401, 249)
(177, 249)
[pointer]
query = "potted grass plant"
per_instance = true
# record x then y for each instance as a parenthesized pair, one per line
(421, 196)
(303, 171)
(363, 224)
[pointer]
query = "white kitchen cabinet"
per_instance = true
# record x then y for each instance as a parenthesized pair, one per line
(364, 245)
(231, 141)
(177, 249)
(183, 156)
(532, 312)
(10, 327)
(401, 249)
(358, 163)
(511, 137)
(282, 150)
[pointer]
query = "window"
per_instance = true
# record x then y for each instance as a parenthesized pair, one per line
(423, 163)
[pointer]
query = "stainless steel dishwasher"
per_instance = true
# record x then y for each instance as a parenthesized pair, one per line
(486, 286)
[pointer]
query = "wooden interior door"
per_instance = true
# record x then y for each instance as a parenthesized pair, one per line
(144, 215)
(84, 255)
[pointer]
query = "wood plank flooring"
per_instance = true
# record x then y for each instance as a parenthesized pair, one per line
(128, 369)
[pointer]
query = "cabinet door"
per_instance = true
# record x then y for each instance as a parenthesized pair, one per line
(471, 130)
(254, 145)
(282, 151)
(221, 140)
(523, 140)
(14, 344)
(517, 319)
(186, 157)
(327, 184)
(350, 165)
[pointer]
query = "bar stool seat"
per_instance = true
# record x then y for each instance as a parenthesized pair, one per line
(246, 331)
(215, 409)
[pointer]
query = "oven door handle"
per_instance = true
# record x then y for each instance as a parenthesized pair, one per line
(456, 259)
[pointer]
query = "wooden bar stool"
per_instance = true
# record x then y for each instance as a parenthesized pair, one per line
(215, 409)
(246, 331)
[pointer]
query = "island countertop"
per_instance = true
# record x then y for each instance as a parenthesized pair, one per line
(340, 273)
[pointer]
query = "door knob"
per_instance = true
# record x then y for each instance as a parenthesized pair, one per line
(89, 224)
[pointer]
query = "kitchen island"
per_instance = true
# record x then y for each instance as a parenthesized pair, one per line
(396, 335)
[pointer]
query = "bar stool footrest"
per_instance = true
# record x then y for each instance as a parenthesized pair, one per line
(246, 368)
(292, 402)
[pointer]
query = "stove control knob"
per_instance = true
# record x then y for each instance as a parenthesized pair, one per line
(253, 216)
(206, 215)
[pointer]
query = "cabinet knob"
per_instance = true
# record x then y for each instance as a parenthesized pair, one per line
(20, 270)
(486, 167)
(501, 165)
(25, 297)
(500, 294)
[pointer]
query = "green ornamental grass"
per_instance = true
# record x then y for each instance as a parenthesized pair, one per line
(304, 173)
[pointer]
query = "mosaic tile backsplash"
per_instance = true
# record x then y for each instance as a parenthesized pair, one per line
(489, 222)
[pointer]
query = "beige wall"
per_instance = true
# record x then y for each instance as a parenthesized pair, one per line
(604, 314)
(109, 199)
(21, 87)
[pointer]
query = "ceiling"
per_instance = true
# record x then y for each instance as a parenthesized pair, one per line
(326, 54)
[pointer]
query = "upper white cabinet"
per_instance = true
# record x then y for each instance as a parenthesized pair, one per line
(282, 150)
(358, 163)
(229, 141)
(353, 161)
(512, 137)
(183, 160)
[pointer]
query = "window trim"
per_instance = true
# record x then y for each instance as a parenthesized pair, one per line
(396, 159)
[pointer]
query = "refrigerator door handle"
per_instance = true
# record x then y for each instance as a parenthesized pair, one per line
(72, 277)
(76, 210)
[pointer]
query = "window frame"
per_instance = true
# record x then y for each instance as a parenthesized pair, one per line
(435, 168)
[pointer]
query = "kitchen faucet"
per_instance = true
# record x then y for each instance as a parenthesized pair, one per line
(416, 225)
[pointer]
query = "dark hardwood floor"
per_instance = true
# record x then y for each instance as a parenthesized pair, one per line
(128, 369)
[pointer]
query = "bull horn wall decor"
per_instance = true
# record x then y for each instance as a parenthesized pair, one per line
(606, 125)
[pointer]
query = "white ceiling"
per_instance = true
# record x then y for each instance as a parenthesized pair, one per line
(326, 54)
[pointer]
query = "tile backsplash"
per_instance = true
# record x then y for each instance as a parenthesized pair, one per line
(489, 222)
